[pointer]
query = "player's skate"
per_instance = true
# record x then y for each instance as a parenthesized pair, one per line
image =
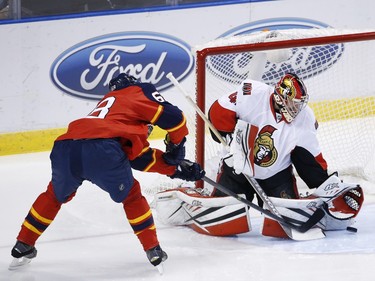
(157, 256)
(22, 254)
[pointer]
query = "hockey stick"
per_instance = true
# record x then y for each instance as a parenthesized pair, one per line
(289, 231)
(295, 224)
(197, 109)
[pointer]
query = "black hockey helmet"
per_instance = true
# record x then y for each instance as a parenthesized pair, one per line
(122, 81)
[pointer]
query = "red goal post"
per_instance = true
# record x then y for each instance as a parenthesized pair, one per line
(338, 68)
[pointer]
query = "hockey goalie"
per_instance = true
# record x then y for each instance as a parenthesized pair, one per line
(271, 132)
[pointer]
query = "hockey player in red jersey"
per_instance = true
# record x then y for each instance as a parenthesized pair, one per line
(103, 147)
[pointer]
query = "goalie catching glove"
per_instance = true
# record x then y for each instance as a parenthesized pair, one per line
(340, 201)
(189, 171)
(174, 153)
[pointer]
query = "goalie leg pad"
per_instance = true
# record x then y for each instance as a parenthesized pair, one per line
(169, 208)
(219, 221)
(297, 209)
(217, 216)
(273, 228)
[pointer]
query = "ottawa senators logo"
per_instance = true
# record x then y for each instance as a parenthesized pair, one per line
(265, 153)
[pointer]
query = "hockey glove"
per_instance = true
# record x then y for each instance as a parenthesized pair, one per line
(346, 205)
(174, 153)
(189, 171)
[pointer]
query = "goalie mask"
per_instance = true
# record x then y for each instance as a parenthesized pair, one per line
(122, 81)
(290, 96)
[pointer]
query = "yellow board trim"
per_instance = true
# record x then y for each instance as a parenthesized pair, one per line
(31, 141)
(343, 109)
(42, 140)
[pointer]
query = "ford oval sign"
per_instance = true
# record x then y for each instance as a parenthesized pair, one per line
(85, 69)
(305, 61)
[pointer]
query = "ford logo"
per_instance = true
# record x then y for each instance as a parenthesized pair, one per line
(305, 62)
(85, 69)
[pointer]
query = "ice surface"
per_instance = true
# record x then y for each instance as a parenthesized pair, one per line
(91, 240)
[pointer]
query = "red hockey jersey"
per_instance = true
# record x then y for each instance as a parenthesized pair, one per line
(125, 114)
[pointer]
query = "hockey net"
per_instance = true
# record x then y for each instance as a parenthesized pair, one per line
(336, 66)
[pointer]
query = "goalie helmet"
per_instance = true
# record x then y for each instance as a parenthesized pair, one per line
(291, 96)
(122, 81)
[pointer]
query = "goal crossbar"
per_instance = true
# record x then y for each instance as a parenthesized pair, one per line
(202, 54)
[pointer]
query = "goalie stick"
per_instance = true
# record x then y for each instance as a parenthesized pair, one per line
(287, 226)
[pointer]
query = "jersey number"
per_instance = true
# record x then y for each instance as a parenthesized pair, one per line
(158, 97)
(102, 109)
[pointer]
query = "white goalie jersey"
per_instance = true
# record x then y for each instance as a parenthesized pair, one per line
(269, 141)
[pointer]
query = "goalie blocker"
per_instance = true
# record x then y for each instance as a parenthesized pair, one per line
(225, 216)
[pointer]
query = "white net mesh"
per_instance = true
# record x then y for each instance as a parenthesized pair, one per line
(338, 79)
